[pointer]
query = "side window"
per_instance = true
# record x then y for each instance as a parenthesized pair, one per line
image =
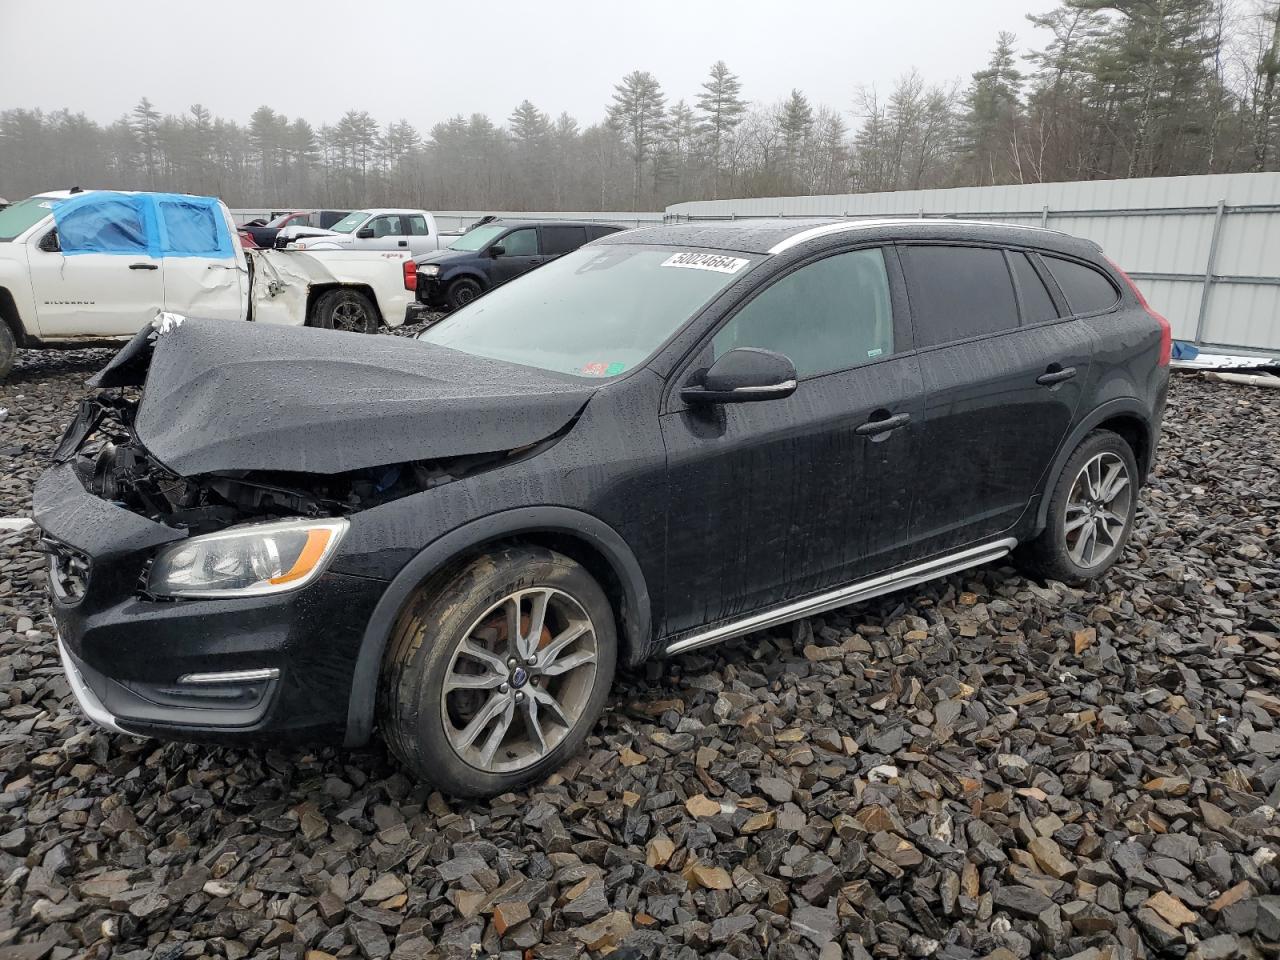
(830, 315)
(388, 225)
(1037, 304)
(596, 231)
(417, 225)
(106, 226)
(561, 239)
(520, 243)
(958, 292)
(1086, 290)
(190, 229)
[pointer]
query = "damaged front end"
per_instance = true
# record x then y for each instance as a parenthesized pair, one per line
(113, 464)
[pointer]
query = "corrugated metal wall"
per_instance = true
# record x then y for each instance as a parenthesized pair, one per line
(1160, 230)
(454, 220)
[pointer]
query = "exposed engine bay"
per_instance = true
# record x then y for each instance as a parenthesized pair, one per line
(114, 465)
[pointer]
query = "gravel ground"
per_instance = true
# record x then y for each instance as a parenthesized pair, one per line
(982, 767)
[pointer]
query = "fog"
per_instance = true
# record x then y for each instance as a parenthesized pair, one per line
(426, 61)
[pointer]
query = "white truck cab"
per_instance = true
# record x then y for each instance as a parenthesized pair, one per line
(379, 229)
(102, 267)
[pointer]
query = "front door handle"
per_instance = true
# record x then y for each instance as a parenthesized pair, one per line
(1055, 374)
(402, 243)
(874, 428)
(143, 266)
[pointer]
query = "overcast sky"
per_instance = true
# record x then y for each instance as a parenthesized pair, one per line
(425, 61)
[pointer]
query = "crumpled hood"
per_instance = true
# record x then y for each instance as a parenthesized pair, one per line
(222, 395)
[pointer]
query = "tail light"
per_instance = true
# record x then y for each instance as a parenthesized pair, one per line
(410, 275)
(1166, 330)
(246, 239)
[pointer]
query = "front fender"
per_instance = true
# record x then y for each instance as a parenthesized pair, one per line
(592, 531)
(457, 273)
(17, 301)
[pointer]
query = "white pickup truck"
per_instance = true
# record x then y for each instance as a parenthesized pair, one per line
(89, 267)
(377, 229)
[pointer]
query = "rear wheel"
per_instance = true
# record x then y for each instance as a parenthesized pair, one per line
(1090, 515)
(462, 291)
(497, 671)
(344, 309)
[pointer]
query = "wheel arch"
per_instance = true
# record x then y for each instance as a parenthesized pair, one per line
(318, 290)
(466, 273)
(586, 539)
(1125, 416)
(11, 318)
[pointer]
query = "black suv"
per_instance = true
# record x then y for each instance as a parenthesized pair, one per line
(665, 439)
(495, 252)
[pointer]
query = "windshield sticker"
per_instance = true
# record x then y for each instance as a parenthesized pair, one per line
(614, 368)
(595, 369)
(706, 261)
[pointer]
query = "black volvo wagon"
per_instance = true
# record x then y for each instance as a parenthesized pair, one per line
(664, 439)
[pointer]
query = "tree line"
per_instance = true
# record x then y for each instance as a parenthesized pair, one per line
(1126, 88)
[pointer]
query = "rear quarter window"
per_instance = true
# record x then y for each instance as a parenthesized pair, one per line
(958, 292)
(1087, 290)
(561, 239)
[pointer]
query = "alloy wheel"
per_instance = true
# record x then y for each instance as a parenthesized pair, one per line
(520, 680)
(1097, 510)
(350, 316)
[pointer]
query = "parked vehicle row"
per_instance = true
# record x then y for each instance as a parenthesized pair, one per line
(264, 234)
(664, 439)
(494, 253)
(81, 268)
(413, 231)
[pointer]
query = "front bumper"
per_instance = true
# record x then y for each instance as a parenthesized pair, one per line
(232, 670)
(431, 294)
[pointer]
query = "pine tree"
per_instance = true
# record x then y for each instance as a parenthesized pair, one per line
(722, 109)
(637, 112)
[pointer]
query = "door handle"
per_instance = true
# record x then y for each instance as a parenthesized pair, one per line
(876, 427)
(143, 266)
(1052, 376)
(402, 243)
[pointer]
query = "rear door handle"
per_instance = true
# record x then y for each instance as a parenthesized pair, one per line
(1051, 376)
(143, 266)
(402, 243)
(873, 428)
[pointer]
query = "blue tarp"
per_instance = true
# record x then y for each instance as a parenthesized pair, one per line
(142, 224)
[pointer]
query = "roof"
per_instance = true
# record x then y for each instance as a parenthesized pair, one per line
(775, 235)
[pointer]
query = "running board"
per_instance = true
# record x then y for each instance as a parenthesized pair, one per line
(863, 590)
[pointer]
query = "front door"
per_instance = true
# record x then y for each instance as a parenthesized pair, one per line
(390, 232)
(519, 255)
(775, 500)
(108, 282)
(1002, 387)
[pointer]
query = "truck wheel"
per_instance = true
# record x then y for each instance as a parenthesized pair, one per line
(1091, 508)
(497, 671)
(462, 291)
(8, 350)
(344, 309)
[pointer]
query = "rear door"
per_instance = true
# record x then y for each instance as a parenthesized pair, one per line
(421, 239)
(775, 500)
(204, 271)
(1003, 375)
(100, 274)
(520, 253)
(560, 238)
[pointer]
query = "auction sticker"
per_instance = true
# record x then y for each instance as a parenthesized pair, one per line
(706, 261)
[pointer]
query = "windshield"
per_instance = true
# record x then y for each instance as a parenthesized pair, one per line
(23, 215)
(350, 221)
(476, 239)
(596, 312)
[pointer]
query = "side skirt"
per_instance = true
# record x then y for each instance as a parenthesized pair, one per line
(853, 593)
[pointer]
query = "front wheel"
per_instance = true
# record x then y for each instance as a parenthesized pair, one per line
(462, 291)
(1090, 515)
(8, 349)
(497, 671)
(344, 309)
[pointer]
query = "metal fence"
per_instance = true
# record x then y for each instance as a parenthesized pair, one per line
(1205, 249)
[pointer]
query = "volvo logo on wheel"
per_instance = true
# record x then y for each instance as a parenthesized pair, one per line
(519, 677)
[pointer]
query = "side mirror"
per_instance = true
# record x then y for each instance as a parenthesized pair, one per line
(365, 233)
(745, 375)
(497, 250)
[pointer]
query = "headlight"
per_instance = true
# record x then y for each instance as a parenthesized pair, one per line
(430, 270)
(248, 561)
